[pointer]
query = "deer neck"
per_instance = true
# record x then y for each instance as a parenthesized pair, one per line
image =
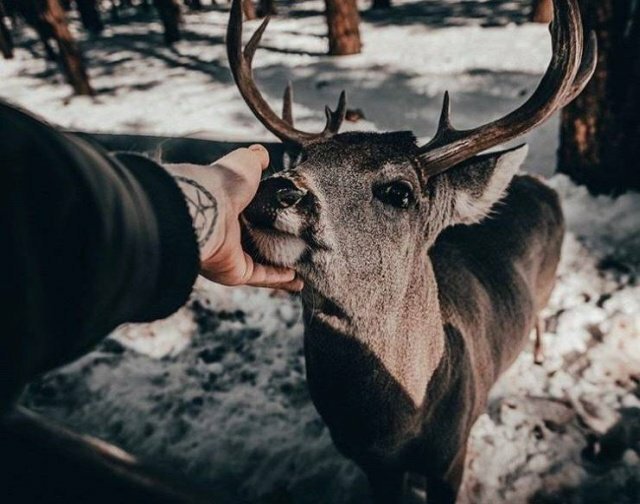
(393, 328)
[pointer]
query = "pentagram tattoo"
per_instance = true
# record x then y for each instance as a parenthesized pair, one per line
(202, 207)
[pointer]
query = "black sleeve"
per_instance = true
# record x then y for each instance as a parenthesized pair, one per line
(88, 241)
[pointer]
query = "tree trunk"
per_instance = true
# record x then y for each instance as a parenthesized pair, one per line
(381, 4)
(169, 12)
(194, 4)
(114, 11)
(542, 11)
(6, 41)
(53, 15)
(343, 20)
(249, 9)
(266, 8)
(600, 133)
(90, 16)
(31, 12)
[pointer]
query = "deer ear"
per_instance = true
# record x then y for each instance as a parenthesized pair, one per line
(481, 182)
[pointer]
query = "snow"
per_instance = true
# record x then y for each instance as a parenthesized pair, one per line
(398, 80)
(218, 390)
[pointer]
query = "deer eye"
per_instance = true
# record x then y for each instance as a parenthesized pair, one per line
(398, 194)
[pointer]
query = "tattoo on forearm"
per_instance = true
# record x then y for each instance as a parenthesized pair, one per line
(202, 206)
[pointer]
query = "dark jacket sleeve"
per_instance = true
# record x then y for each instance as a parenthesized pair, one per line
(89, 241)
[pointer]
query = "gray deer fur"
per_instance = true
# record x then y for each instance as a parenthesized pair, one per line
(424, 266)
(409, 316)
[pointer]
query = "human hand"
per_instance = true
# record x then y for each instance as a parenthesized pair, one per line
(217, 195)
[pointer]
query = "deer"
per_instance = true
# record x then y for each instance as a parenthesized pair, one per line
(425, 266)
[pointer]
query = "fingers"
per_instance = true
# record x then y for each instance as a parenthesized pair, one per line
(246, 272)
(262, 153)
(246, 162)
(239, 174)
(261, 275)
(296, 286)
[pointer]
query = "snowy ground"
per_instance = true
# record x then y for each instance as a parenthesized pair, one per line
(218, 390)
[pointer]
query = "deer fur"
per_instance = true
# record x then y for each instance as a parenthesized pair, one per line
(424, 266)
(411, 315)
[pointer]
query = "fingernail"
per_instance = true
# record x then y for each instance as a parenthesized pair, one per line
(257, 147)
(290, 274)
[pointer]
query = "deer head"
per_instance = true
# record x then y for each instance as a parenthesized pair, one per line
(357, 212)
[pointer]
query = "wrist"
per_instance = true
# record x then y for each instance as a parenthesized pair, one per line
(215, 241)
(207, 204)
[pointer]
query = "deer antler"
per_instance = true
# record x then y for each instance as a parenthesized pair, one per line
(570, 70)
(240, 63)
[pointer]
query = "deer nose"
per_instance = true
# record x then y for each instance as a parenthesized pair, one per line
(288, 197)
(274, 194)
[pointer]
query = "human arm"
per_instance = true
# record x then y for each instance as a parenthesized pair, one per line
(89, 241)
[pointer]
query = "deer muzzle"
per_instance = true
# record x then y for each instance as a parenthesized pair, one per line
(275, 220)
(276, 196)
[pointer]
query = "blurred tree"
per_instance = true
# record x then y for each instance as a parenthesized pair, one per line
(266, 8)
(600, 133)
(117, 5)
(90, 16)
(381, 4)
(6, 42)
(169, 12)
(53, 17)
(30, 11)
(344, 32)
(194, 4)
(542, 11)
(249, 9)
(114, 11)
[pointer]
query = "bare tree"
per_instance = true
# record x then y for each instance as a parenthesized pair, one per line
(169, 12)
(381, 4)
(90, 16)
(344, 32)
(600, 135)
(194, 4)
(6, 41)
(30, 11)
(53, 16)
(266, 8)
(542, 11)
(249, 9)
